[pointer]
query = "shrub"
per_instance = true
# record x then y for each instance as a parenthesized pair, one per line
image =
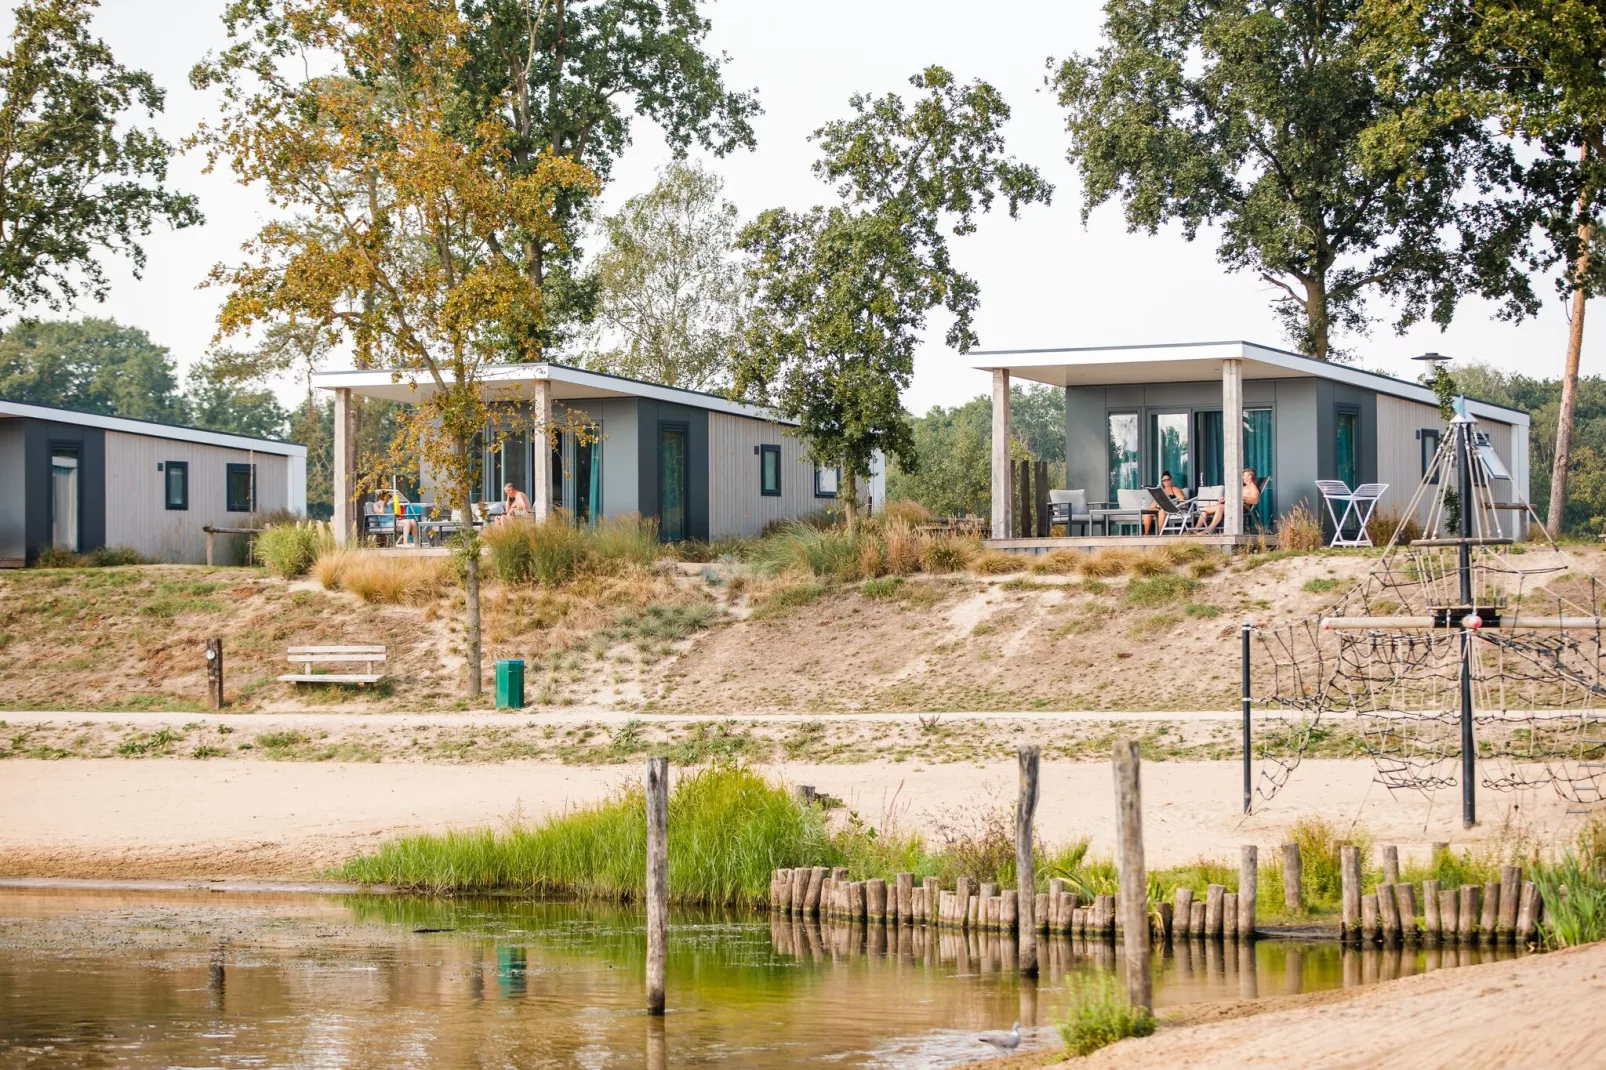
(997, 563)
(800, 546)
(902, 547)
(115, 556)
(884, 587)
(289, 550)
(946, 553)
(1384, 527)
(1059, 563)
(1151, 563)
(632, 540)
(1321, 585)
(1103, 564)
(1182, 553)
(392, 579)
(1100, 1014)
(872, 561)
(908, 513)
(1159, 590)
(1301, 529)
(778, 602)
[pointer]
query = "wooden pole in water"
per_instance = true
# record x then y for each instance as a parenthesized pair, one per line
(1213, 900)
(657, 881)
(1199, 925)
(1510, 891)
(875, 895)
(1184, 911)
(1391, 865)
(1405, 903)
(1432, 921)
(906, 898)
(1009, 906)
(933, 897)
(1025, 866)
(1489, 920)
(811, 900)
(1167, 922)
(1369, 917)
(1449, 914)
(1468, 930)
(1527, 911)
(1388, 911)
(1293, 879)
(1134, 876)
(1350, 880)
(800, 889)
(1229, 915)
(1248, 889)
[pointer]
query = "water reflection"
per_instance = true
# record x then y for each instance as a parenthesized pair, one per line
(92, 980)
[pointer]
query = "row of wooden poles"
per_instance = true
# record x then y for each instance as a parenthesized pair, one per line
(1509, 909)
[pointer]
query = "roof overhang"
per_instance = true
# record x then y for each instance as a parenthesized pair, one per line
(516, 382)
(151, 429)
(1186, 362)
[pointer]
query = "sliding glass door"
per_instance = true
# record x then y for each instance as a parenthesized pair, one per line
(1123, 453)
(673, 482)
(64, 520)
(1257, 452)
(1168, 447)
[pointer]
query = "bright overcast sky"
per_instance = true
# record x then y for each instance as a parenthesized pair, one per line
(1045, 279)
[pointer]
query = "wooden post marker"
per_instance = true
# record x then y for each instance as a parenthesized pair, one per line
(1527, 911)
(1388, 910)
(657, 881)
(1025, 865)
(1229, 915)
(1293, 879)
(1134, 877)
(1405, 907)
(811, 902)
(1350, 880)
(1369, 926)
(1248, 889)
(932, 898)
(1510, 891)
(1468, 930)
(1184, 911)
(1391, 865)
(1449, 914)
(1489, 919)
(800, 889)
(214, 673)
(1214, 896)
(1432, 918)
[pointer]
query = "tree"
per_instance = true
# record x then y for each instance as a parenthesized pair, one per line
(1534, 66)
(670, 288)
(841, 292)
(92, 365)
(565, 78)
(1272, 121)
(71, 181)
(403, 234)
(218, 399)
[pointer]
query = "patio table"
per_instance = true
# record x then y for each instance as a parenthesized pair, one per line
(1104, 516)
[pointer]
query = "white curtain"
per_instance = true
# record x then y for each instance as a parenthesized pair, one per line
(64, 501)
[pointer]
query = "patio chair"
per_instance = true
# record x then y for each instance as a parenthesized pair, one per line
(1069, 507)
(1257, 512)
(1128, 503)
(1175, 517)
(1358, 503)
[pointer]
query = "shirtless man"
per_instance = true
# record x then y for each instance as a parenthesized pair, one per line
(1211, 516)
(517, 503)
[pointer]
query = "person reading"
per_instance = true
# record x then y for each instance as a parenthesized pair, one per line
(1211, 516)
(518, 504)
(1174, 492)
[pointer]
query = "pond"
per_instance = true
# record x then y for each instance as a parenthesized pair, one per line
(230, 980)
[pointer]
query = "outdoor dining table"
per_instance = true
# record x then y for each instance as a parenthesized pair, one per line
(1104, 517)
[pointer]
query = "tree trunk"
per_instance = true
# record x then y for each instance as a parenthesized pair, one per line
(1316, 317)
(1569, 378)
(471, 584)
(849, 493)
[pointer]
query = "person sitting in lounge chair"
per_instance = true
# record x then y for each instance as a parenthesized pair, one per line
(1211, 516)
(1151, 516)
(518, 504)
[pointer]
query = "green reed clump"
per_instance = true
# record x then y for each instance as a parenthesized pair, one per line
(289, 550)
(827, 553)
(1100, 1014)
(556, 550)
(1574, 893)
(728, 830)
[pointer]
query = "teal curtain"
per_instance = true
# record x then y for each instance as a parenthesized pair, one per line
(1346, 450)
(1123, 453)
(1212, 451)
(1168, 447)
(1258, 455)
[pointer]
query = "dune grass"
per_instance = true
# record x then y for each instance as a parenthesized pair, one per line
(389, 579)
(1100, 1014)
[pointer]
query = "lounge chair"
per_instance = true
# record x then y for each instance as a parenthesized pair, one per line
(1069, 507)
(1175, 517)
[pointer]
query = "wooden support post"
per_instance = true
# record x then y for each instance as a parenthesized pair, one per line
(344, 522)
(1370, 930)
(1510, 890)
(1293, 880)
(973, 913)
(1388, 911)
(811, 905)
(1167, 922)
(800, 889)
(906, 898)
(1023, 499)
(1405, 907)
(857, 901)
(1248, 889)
(1350, 886)
(543, 495)
(989, 889)
(1489, 919)
(784, 901)
(875, 897)
(1199, 925)
(1184, 911)
(1001, 477)
(1040, 508)
(1029, 759)
(1391, 865)
(214, 673)
(1527, 912)
(1041, 911)
(657, 881)
(1468, 927)
(1133, 874)
(1229, 915)
(1232, 442)
(933, 892)
(1009, 904)
(1449, 915)
(964, 892)
(1066, 911)
(1432, 920)
(1213, 920)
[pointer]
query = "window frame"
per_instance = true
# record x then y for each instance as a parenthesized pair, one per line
(1423, 434)
(833, 492)
(1340, 410)
(764, 454)
(183, 504)
(228, 474)
(1110, 464)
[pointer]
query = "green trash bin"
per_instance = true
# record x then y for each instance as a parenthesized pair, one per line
(510, 684)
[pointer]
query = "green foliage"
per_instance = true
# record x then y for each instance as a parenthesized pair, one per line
(73, 182)
(1270, 123)
(1100, 1014)
(1159, 590)
(883, 587)
(795, 596)
(1574, 892)
(841, 293)
(289, 550)
(822, 552)
(659, 622)
(93, 365)
(220, 398)
(556, 550)
(102, 557)
(728, 830)
(669, 292)
(1321, 585)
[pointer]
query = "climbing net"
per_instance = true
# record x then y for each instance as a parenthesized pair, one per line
(1380, 670)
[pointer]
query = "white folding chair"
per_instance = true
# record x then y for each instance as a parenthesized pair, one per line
(1335, 492)
(1363, 502)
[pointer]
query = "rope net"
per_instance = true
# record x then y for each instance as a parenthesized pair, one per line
(1382, 665)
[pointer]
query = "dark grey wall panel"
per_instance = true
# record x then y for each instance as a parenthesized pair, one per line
(651, 415)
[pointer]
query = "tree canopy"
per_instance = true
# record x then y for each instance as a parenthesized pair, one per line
(841, 292)
(92, 365)
(73, 181)
(1272, 121)
(671, 288)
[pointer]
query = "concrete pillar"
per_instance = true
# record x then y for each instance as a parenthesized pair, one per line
(541, 462)
(345, 490)
(1002, 511)
(1232, 435)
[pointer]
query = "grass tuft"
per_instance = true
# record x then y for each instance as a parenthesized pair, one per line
(1100, 1014)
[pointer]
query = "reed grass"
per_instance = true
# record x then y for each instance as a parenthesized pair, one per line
(1100, 1014)
(556, 550)
(997, 563)
(1301, 529)
(1103, 564)
(390, 579)
(289, 550)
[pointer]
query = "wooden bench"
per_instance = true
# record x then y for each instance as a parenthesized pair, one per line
(308, 656)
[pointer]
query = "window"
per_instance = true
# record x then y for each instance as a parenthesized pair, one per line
(673, 482)
(176, 480)
(769, 471)
(1430, 438)
(1168, 447)
(240, 488)
(826, 481)
(1123, 447)
(1347, 446)
(64, 503)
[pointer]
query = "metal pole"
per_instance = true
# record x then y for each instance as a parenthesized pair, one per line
(1248, 779)
(1469, 804)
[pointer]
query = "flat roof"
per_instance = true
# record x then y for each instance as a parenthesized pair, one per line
(150, 428)
(1176, 362)
(517, 381)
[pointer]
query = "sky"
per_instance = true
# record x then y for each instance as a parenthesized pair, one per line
(1045, 278)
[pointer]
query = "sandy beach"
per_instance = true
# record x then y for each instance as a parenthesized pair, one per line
(231, 818)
